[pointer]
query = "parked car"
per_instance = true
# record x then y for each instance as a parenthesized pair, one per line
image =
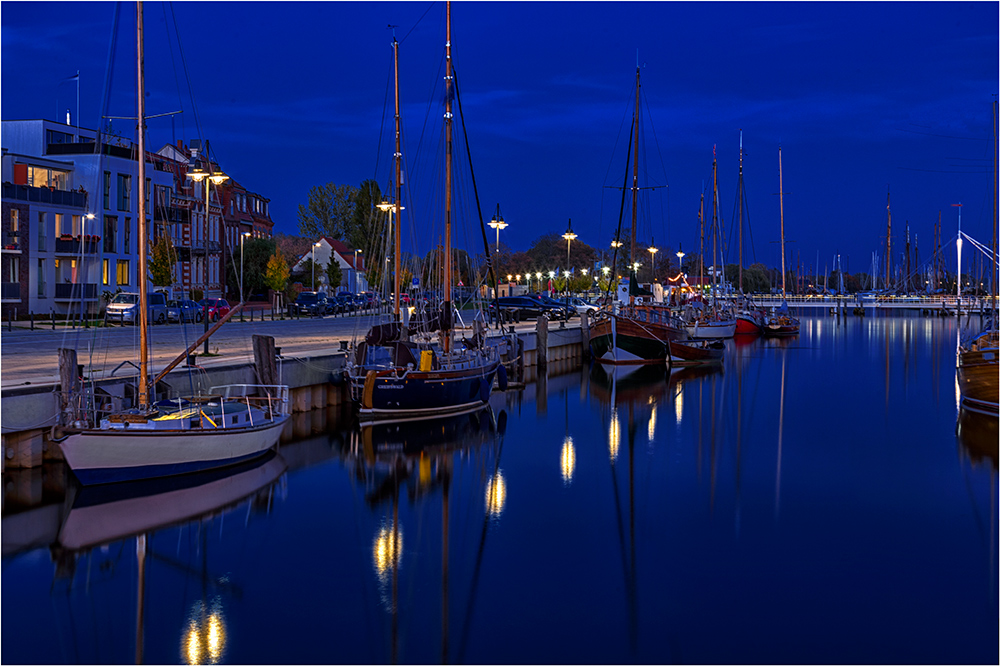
(519, 308)
(125, 308)
(183, 310)
(562, 304)
(313, 303)
(217, 308)
(343, 303)
(582, 305)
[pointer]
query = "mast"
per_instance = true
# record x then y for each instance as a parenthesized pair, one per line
(701, 225)
(635, 182)
(141, 231)
(739, 195)
(995, 258)
(397, 157)
(448, 92)
(715, 230)
(781, 200)
(888, 241)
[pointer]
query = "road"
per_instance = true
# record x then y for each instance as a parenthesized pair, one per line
(32, 357)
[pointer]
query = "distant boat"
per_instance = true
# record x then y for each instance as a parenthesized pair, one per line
(780, 321)
(392, 377)
(150, 441)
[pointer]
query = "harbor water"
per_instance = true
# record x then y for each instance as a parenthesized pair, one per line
(817, 499)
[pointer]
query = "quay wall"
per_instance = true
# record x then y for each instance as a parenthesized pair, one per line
(28, 413)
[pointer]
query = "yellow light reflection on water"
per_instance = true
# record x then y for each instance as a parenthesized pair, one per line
(652, 425)
(204, 641)
(614, 435)
(388, 549)
(496, 495)
(567, 460)
(679, 405)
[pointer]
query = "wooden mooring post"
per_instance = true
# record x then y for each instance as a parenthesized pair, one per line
(542, 343)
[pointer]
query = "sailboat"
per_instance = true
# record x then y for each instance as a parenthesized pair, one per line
(749, 318)
(712, 323)
(636, 332)
(780, 321)
(979, 353)
(233, 424)
(394, 377)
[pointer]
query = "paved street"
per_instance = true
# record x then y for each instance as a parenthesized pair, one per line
(31, 357)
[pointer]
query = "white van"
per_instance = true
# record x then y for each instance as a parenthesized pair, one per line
(125, 308)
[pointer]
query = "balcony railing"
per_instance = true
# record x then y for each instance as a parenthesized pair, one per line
(171, 214)
(73, 292)
(10, 291)
(11, 241)
(73, 245)
(44, 195)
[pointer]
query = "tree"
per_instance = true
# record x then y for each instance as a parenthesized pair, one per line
(257, 253)
(333, 274)
(330, 211)
(307, 272)
(164, 260)
(367, 223)
(276, 274)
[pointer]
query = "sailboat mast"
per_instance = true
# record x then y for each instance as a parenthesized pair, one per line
(398, 158)
(635, 174)
(715, 228)
(141, 186)
(740, 204)
(781, 205)
(701, 229)
(888, 242)
(449, 82)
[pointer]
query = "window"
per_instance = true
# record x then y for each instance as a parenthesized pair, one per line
(110, 234)
(122, 275)
(15, 270)
(107, 190)
(149, 184)
(44, 177)
(127, 235)
(61, 228)
(124, 191)
(104, 273)
(65, 271)
(41, 232)
(52, 136)
(41, 278)
(13, 221)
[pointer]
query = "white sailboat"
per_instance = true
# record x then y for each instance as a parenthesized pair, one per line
(232, 424)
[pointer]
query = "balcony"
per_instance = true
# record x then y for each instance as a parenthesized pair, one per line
(72, 292)
(171, 214)
(73, 245)
(44, 195)
(11, 243)
(10, 291)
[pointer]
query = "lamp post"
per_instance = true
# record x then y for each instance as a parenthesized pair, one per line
(498, 224)
(356, 270)
(680, 257)
(315, 245)
(569, 236)
(242, 236)
(538, 276)
(389, 207)
(198, 175)
(652, 251)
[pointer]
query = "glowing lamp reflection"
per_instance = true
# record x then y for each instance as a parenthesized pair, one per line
(652, 425)
(496, 495)
(387, 550)
(205, 639)
(679, 405)
(614, 435)
(567, 460)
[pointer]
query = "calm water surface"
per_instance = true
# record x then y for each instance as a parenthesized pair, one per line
(811, 502)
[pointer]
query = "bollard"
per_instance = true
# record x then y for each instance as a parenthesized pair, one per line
(241, 315)
(10, 320)
(52, 318)
(31, 317)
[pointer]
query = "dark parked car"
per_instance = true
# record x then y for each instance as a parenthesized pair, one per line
(312, 303)
(183, 310)
(567, 309)
(345, 303)
(520, 308)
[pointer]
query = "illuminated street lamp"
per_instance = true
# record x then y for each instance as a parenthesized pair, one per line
(569, 236)
(388, 207)
(197, 175)
(680, 257)
(242, 236)
(538, 276)
(652, 251)
(498, 224)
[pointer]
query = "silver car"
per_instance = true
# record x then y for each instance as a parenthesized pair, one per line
(125, 308)
(183, 310)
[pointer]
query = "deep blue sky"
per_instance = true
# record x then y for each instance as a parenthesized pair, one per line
(862, 97)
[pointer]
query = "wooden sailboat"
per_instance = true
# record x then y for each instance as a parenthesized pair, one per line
(393, 377)
(749, 318)
(233, 425)
(978, 354)
(780, 321)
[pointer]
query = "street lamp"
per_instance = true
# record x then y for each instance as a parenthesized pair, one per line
(387, 207)
(538, 276)
(569, 236)
(498, 224)
(680, 257)
(653, 250)
(315, 245)
(242, 236)
(198, 175)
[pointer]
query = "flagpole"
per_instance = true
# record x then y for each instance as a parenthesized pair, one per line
(78, 104)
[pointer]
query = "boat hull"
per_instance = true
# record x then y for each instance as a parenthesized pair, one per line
(748, 324)
(386, 395)
(978, 379)
(712, 330)
(110, 456)
(621, 341)
(693, 354)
